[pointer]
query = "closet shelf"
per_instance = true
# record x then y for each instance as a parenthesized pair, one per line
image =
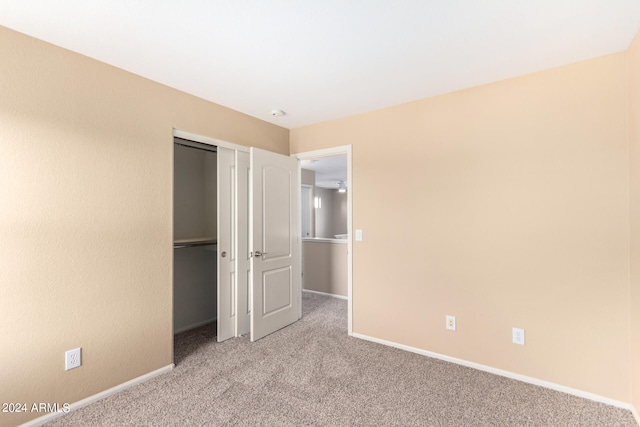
(194, 241)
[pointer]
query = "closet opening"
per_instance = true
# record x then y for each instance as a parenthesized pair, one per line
(195, 238)
(236, 234)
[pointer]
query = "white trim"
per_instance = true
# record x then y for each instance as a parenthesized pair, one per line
(502, 373)
(91, 399)
(324, 152)
(195, 325)
(325, 294)
(635, 414)
(208, 140)
(329, 152)
(311, 194)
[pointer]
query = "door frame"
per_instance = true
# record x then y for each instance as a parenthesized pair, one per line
(310, 217)
(208, 140)
(331, 152)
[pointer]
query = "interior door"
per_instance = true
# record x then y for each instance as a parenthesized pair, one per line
(226, 244)
(275, 242)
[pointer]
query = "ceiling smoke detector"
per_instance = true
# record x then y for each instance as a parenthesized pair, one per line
(277, 113)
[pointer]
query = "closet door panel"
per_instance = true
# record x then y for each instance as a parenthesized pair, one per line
(226, 244)
(243, 264)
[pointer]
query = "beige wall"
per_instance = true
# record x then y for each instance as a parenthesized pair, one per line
(195, 202)
(505, 205)
(331, 218)
(634, 143)
(195, 286)
(86, 153)
(325, 266)
(340, 212)
(308, 177)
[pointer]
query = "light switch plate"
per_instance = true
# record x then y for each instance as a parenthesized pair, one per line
(359, 235)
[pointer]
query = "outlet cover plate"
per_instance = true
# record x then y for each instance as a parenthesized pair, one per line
(72, 359)
(518, 336)
(451, 323)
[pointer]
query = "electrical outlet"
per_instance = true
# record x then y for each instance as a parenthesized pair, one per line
(451, 323)
(518, 336)
(72, 359)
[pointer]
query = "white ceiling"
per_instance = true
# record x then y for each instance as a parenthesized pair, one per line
(329, 170)
(324, 59)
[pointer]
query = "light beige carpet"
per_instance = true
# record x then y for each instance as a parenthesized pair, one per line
(312, 374)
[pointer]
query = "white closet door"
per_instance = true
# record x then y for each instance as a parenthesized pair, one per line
(275, 240)
(226, 244)
(243, 266)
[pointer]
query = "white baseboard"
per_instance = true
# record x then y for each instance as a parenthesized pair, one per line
(91, 399)
(512, 375)
(325, 294)
(195, 325)
(636, 415)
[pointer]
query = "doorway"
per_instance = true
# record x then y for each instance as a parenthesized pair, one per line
(311, 156)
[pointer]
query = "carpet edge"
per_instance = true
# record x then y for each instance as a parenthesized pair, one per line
(512, 375)
(99, 396)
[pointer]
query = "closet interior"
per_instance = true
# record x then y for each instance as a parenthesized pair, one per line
(195, 213)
